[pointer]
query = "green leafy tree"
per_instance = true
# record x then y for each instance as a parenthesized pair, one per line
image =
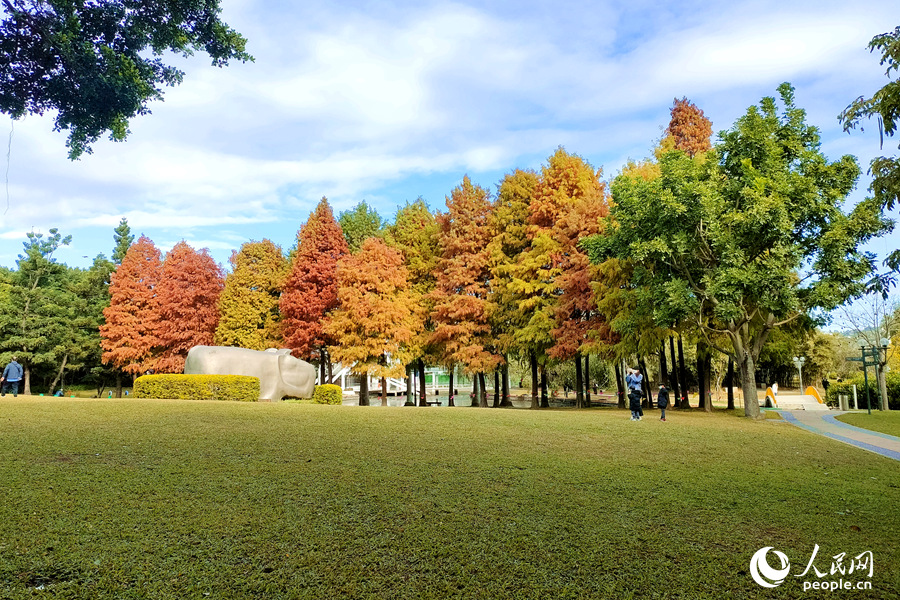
(123, 238)
(248, 307)
(78, 350)
(884, 106)
(754, 240)
(359, 224)
(98, 64)
(36, 319)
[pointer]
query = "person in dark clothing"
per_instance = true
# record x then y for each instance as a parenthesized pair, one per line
(634, 380)
(662, 400)
(12, 375)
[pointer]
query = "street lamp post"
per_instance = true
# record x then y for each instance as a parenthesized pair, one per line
(799, 362)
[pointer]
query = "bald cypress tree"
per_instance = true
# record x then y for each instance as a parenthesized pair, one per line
(310, 291)
(128, 336)
(461, 310)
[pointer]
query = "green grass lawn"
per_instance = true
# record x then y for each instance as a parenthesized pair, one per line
(884, 422)
(168, 499)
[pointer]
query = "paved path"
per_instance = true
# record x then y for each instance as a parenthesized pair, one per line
(824, 423)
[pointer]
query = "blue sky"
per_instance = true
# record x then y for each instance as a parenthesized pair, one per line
(389, 101)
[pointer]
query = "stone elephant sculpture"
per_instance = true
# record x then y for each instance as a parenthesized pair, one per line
(279, 373)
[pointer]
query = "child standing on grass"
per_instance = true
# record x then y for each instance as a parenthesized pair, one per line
(662, 400)
(634, 381)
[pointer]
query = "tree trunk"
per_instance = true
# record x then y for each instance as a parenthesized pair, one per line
(701, 374)
(450, 394)
(676, 389)
(534, 381)
(882, 385)
(409, 384)
(748, 386)
(26, 381)
(384, 391)
(707, 376)
(663, 367)
(683, 376)
(505, 402)
(423, 400)
(730, 383)
(118, 383)
(59, 375)
(587, 380)
(497, 389)
(545, 399)
(330, 367)
(620, 385)
(482, 388)
(475, 390)
(322, 368)
(364, 389)
(648, 397)
(579, 383)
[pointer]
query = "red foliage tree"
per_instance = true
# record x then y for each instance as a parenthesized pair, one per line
(310, 292)
(188, 305)
(129, 335)
(689, 128)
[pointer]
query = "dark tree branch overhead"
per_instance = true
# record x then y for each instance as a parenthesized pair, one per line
(88, 60)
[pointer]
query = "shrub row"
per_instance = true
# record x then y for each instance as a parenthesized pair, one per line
(327, 394)
(836, 388)
(198, 387)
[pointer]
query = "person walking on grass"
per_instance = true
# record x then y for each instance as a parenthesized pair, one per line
(634, 380)
(662, 400)
(12, 375)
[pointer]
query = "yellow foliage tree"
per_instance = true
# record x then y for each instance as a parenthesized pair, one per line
(248, 307)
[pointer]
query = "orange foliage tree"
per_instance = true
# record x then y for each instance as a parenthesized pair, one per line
(188, 305)
(574, 202)
(128, 336)
(377, 322)
(461, 310)
(689, 128)
(310, 291)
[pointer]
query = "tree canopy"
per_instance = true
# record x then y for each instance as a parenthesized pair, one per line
(747, 237)
(248, 306)
(359, 224)
(884, 106)
(310, 291)
(97, 64)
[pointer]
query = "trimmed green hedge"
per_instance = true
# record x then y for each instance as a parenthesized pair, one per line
(327, 394)
(892, 380)
(198, 387)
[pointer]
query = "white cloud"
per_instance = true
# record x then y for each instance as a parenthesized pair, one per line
(343, 103)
